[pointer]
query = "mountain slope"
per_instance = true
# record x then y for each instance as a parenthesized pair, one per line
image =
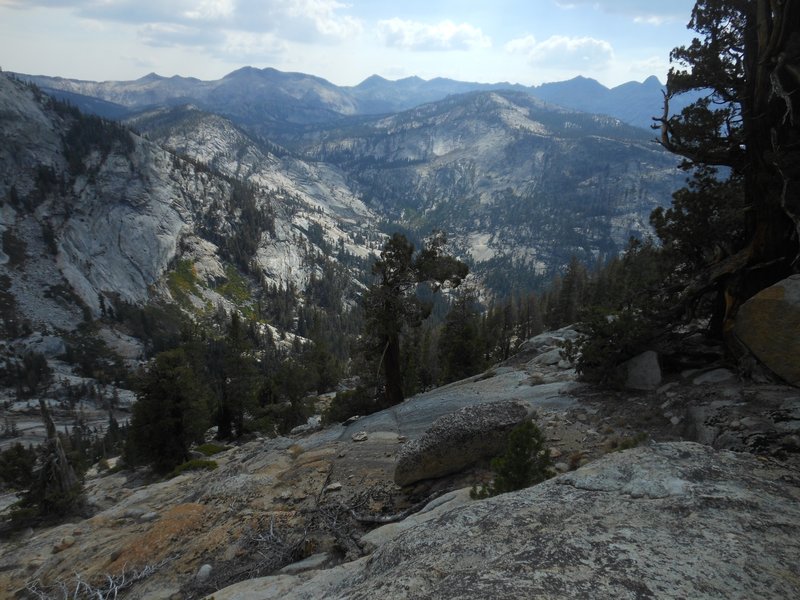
(94, 215)
(518, 185)
(269, 101)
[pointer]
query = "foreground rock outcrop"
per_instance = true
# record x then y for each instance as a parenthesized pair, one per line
(769, 325)
(672, 520)
(458, 440)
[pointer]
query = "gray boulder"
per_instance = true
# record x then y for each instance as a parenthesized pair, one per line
(769, 326)
(677, 520)
(643, 372)
(458, 440)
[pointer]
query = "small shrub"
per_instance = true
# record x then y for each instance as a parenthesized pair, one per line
(15, 248)
(351, 403)
(626, 443)
(526, 462)
(196, 464)
(182, 282)
(211, 449)
(235, 287)
(608, 341)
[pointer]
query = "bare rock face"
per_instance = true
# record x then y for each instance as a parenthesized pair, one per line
(769, 325)
(643, 372)
(458, 440)
(675, 520)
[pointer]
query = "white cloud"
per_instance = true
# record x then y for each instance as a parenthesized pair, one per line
(563, 52)
(522, 45)
(211, 9)
(650, 20)
(445, 35)
(170, 35)
(324, 15)
(253, 46)
(642, 11)
(299, 20)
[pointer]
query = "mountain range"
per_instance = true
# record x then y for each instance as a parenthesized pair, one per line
(274, 179)
(255, 95)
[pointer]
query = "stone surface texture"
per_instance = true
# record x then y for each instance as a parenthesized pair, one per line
(643, 372)
(458, 440)
(673, 520)
(769, 326)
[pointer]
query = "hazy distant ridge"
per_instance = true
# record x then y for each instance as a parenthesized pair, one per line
(297, 98)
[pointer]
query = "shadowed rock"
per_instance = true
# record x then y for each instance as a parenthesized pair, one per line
(769, 325)
(458, 440)
(677, 520)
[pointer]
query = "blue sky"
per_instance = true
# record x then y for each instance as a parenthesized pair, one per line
(522, 41)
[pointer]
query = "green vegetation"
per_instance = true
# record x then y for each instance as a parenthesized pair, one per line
(392, 305)
(17, 467)
(211, 449)
(170, 414)
(92, 134)
(732, 231)
(526, 462)
(182, 282)
(196, 464)
(357, 402)
(235, 288)
(14, 248)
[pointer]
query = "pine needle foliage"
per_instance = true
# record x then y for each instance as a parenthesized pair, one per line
(526, 462)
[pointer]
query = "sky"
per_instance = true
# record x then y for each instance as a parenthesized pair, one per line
(519, 41)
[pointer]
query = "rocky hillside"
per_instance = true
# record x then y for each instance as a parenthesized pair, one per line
(104, 232)
(98, 214)
(518, 185)
(317, 514)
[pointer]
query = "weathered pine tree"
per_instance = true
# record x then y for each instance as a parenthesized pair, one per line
(391, 304)
(746, 64)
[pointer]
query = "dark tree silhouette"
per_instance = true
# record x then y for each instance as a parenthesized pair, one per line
(391, 304)
(746, 65)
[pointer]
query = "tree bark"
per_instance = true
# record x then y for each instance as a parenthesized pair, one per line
(392, 374)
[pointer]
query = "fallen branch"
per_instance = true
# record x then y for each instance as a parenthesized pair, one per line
(384, 519)
(109, 589)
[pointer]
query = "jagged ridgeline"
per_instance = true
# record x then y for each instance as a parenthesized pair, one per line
(520, 186)
(113, 236)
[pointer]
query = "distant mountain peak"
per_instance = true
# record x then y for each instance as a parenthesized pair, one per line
(372, 79)
(153, 76)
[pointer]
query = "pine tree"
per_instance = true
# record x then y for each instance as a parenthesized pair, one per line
(745, 65)
(526, 462)
(391, 304)
(170, 414)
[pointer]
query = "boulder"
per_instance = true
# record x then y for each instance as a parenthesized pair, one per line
(769, 326)
(203, 573)
(674, 520)
(458, 440)
(714, 377)
(643, 372)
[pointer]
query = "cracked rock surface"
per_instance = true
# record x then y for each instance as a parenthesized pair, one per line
(671, 520)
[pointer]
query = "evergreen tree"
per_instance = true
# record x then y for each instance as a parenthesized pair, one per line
(170, 414)
(234, 379)
(391, 304)
(16, 466)
(55, 490)
(461, 348)
(526, 462)
(747, 120)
